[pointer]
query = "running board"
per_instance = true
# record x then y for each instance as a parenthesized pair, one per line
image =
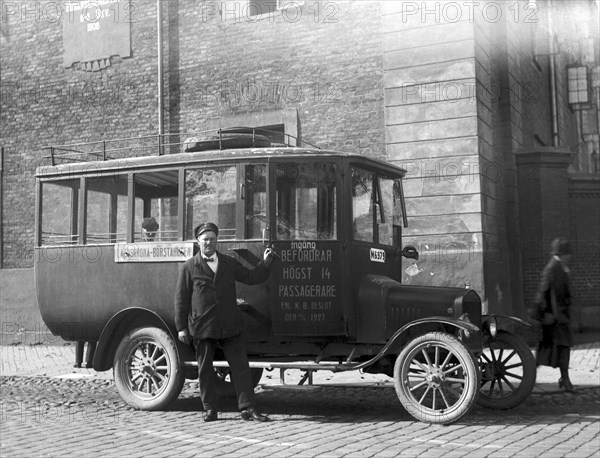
(308, 366)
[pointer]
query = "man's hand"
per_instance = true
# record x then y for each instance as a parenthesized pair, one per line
(268, 256)
(184, 337)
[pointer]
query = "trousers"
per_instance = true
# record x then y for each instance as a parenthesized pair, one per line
(234, 349)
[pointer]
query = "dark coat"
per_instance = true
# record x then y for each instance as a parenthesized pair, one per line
(205, 303)
(554, 280)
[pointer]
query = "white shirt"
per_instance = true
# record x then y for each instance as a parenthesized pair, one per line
(214, 265)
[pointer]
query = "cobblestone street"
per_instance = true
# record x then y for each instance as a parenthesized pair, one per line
(42, 416)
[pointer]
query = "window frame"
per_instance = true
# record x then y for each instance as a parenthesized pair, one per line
(135, 225)
(242, 9)
(339, 203)
(240, 219)
(74, 211)
(377, 175)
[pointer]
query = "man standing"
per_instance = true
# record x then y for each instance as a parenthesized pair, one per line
(207, 316)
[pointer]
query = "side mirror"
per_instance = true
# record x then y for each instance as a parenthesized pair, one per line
(410, 252)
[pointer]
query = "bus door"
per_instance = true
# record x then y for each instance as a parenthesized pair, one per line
(307, 280)
(234, 197)
(373, 248)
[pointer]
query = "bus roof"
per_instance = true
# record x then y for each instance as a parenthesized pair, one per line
(213, 156)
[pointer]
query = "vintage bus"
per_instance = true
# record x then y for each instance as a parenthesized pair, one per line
(334, 299)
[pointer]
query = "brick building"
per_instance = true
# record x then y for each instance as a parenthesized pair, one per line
(472, 98)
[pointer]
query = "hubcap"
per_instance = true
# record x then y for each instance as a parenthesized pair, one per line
(435, 378)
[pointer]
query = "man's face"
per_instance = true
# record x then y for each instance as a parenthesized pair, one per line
(148, 236)
(208, 243)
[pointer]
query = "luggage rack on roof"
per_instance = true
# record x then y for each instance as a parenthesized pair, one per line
(215, 139)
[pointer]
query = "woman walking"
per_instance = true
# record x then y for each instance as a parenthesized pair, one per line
(553, 304)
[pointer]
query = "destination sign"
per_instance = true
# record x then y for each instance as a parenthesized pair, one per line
(153, 251)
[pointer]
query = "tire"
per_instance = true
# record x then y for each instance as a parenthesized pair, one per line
(147, 370)
(508, 371)
(225, 385)
(436, 378)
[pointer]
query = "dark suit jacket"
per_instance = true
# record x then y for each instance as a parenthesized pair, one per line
(205, 303)
(554, 278)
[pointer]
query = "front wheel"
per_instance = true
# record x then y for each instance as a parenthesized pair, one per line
(507, 371)
(436, 378)
(146, 369)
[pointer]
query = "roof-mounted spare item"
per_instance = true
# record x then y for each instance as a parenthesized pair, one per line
(223, 140)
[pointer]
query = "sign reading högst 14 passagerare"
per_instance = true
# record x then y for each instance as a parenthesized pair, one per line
(94, 30)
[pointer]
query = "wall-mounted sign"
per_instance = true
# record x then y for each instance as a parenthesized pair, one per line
(153, 251)
(93, 31)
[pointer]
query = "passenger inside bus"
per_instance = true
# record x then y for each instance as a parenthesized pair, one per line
(149, 228)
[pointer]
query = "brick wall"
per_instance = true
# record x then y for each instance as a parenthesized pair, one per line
(322, 62)
(326, 64)
(584, 218)
(44, 103)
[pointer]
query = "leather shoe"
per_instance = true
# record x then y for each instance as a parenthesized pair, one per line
(251, 414)
(211, 415)
(566, 385)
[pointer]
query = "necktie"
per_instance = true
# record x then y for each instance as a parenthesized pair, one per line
(209, 259)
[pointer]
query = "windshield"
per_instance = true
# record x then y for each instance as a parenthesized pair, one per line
(306, 201)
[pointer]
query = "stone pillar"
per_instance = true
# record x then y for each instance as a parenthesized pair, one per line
(543, 193)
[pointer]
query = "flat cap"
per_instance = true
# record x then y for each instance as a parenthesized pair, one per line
(205, 227)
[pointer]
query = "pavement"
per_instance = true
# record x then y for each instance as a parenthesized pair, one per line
(49, 408)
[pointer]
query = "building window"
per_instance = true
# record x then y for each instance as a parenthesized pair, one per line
(259, 7)
(577, 78)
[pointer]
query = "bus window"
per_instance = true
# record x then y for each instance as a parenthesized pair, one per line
(59, 212)
(385, 220)
(156, 197)
(106, 220)
(362, 205)
(255, 200)
(211, 195)
(306, 201)
(376, 211)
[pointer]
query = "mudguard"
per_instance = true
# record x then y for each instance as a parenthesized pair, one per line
(116, 328)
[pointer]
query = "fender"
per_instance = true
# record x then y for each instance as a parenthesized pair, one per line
(460, 324)
(489, 323)
(116, 328)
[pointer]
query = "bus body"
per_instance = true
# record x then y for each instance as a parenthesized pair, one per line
(334, 299)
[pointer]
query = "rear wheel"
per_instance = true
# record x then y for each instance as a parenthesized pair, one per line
(436, 378)
(146, 369)
(507, 371)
